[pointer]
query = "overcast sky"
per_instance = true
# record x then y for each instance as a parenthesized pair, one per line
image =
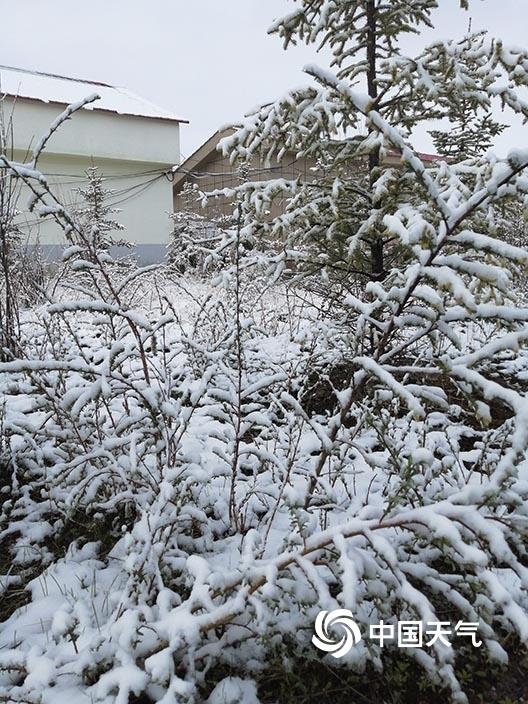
(208, 60)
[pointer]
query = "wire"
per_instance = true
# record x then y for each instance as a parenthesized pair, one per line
(205, 174)
(79, 179)
(144, 187)
(129, 194)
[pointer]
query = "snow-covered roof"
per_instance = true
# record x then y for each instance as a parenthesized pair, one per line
(51, 88)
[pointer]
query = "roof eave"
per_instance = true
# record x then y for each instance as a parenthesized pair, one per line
(178, 120)
(199, 156)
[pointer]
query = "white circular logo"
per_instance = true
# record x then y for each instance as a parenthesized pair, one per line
(328, 619)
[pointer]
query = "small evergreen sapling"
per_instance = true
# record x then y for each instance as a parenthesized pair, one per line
(469, 135)
(95, 214)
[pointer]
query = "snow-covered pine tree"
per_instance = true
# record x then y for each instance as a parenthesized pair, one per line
(342, 211)
(95, 214)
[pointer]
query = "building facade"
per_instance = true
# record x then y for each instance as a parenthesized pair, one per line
(207, 170)
(133, 144)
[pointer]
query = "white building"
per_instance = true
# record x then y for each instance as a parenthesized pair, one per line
(134, 144)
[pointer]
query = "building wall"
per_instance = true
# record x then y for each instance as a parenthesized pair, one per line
(133, 154)
(95, 133)
(209, 170)
(142, 193)
(216, 173)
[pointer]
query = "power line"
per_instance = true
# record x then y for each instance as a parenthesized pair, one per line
(142, 188)
(255, 170)
(79, 178)
(129, 193)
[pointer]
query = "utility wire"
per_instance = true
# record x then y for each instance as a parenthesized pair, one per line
(251, 170)
(80, 178)
(129, 193)
(123, 196)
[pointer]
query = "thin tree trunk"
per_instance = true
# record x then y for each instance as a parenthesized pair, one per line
(377, 245)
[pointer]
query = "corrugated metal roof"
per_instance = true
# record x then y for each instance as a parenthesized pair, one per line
(51, 88)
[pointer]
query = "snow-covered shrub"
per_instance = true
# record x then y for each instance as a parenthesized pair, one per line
(191, 241)
(21, 270)
(178, 509)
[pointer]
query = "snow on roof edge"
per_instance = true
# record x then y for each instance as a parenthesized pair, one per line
(63, 90)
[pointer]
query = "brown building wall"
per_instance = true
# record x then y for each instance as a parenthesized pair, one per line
(208, 170)
(216, 172)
